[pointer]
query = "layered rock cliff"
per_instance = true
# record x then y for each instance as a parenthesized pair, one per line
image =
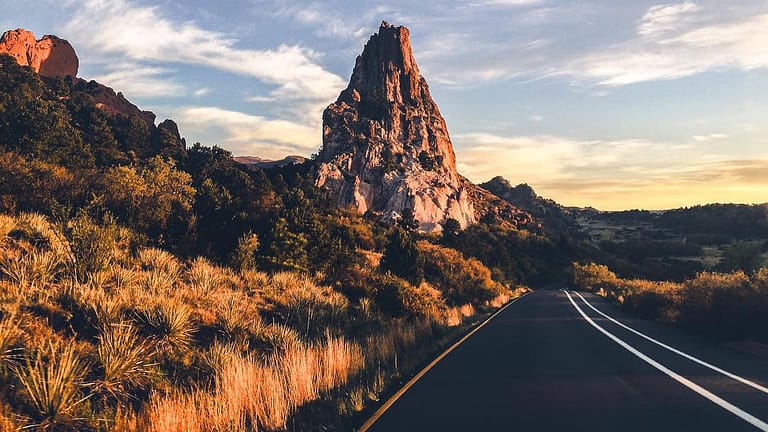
(49, 56)
(385, 145)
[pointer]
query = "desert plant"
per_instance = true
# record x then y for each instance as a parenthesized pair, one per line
(203, 277)
(52, 382)
(7, 224)
(10, 351)
(235, 316)
(158, 259)
(276, 338)
(90, 245)
(31, 271)
(169, 321)
(125, 362)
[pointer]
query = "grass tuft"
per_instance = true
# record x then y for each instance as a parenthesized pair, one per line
(124, 362)
(169, 322)
(52, 381)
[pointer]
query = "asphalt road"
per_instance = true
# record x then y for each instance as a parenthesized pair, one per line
(542, 366)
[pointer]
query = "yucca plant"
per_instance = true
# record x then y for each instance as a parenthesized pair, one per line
(52, 381)
(169, 322)
(10, 336)
(158, 259)
(125, 362)
(203, 277)
(159, 282)
(122, 277)
(236, 317)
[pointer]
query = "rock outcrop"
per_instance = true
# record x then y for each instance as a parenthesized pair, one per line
(114, 103)
(49, 56)
(385, 145)
(554, 216)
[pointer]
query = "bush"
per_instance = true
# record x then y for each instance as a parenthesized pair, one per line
(462, 280)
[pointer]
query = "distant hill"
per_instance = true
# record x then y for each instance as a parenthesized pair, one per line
(257, 162)
(553, 216)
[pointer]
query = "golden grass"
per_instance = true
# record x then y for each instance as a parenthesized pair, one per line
(196, 354)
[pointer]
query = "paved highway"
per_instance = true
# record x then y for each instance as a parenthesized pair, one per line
(557, 361)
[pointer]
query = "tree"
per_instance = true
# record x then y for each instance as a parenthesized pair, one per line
(402, 257)
(742, 256)
(408, 221)
(451, 230)
(154, 198)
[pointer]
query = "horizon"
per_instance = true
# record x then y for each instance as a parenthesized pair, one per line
(544, 92)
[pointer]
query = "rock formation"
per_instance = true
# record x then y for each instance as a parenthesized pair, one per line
(386, 146)
(49, 56)
(554, 216)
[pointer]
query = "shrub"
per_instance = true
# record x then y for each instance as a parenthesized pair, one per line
(91, 246)
(169, 322)
(462, 280)
(52, 382)
(125, 362)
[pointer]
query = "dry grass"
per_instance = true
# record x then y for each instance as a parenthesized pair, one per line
(10, 343)
(190, 346)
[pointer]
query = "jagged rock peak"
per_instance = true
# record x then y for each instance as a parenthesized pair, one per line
(385, 145)
(49, 56)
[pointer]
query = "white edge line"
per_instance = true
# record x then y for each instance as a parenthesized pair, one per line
(733, 409)
(391, 401)
(731, 375)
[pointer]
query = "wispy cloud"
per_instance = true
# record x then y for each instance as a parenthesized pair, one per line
(142, 33)
(246, 134)
(141, 81)
(710, 137)
(662, 18)
(672, 43)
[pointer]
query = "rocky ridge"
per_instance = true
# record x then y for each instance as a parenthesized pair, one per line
(53, 57)
(386, 146)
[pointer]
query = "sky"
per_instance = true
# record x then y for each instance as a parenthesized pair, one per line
(614, 104)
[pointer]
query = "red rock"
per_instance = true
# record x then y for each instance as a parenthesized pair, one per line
(49, 56)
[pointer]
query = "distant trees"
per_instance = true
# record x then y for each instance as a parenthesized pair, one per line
(462, 280)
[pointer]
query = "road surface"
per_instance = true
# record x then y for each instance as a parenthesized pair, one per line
(550, 362)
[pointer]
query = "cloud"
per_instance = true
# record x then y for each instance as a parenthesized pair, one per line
(141, 81)
(662, 18)
(614, 174)
(709, 137)
(328, 23)
(672, 43)
(143, 34)
(507, 3)
(245, 134)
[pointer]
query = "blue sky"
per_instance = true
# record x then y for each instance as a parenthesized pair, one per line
(605, 103)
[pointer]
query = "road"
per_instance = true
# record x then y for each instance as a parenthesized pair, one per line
(540, 365)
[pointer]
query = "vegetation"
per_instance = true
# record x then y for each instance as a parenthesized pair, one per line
(151, 342)
(145, 286)
(729, 305)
